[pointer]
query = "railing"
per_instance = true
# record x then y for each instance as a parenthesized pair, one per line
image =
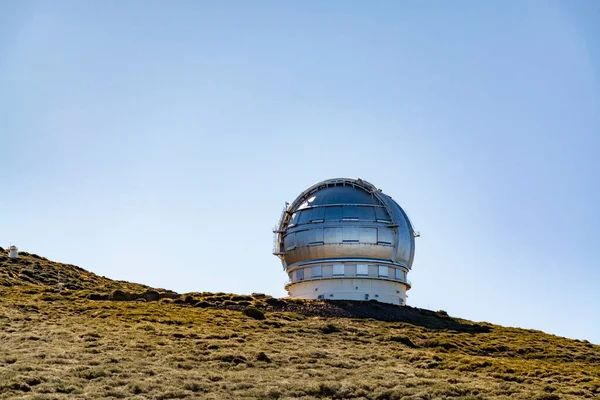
(277, 231)
(276, 244)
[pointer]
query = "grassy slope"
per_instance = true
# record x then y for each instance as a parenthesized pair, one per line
(65, 345)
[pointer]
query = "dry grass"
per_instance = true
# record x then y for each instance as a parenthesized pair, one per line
(63, 345)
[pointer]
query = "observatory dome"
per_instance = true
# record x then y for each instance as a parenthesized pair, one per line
(345, 239)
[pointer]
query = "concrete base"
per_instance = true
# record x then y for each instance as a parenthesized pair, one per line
(350, 289)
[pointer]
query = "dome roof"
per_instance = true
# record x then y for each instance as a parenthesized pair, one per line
(338, 195)
(344, 218)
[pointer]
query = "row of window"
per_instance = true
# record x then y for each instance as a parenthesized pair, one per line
(347, 234)
(340, 213)
(358, 270)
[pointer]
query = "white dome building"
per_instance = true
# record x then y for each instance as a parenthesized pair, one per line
(343, 239)
(13, 251)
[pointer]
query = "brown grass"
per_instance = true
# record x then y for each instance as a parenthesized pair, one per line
(63, 345)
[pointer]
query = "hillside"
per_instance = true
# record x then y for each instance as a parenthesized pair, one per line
(100, 338)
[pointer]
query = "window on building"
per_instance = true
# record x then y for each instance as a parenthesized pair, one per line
(362, 269)
(311, 215)
(383, 271)
(302, 217)
(290, 275)
(293, 220)
(333, 235)
(368, 235)
(333, 213)
(299, 274)
(317, 215)
(289, 241)
(400, 274)
(317, 271)
(382, 215)
(350, 213)
(385, 236)
(366, 213)
(301, 238)
(315, 237)
(351, 234)
(338, 269)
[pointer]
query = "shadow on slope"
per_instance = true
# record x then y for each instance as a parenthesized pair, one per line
(378, 311)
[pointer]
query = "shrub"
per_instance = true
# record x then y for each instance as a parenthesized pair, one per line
(232, 358)
(33, 381)
(151, 295)
(547, 396)
(202, 304)
(20, 386)
(438, 343)
(274, 302)
(404, 340)
(253, 312)
(137, 389)
(330, 328)
(241, 297)
(194, 387)
(442, 313)
(324, 389)
(119, 295)
(28, 272)
(93, 374)
(262, 356)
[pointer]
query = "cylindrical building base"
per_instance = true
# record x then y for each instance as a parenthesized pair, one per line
(385, 291)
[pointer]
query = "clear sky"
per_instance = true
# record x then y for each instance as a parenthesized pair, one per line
(158, 141)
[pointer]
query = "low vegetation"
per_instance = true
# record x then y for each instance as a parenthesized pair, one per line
(99, 338)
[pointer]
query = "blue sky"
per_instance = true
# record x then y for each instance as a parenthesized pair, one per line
(157, 142)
